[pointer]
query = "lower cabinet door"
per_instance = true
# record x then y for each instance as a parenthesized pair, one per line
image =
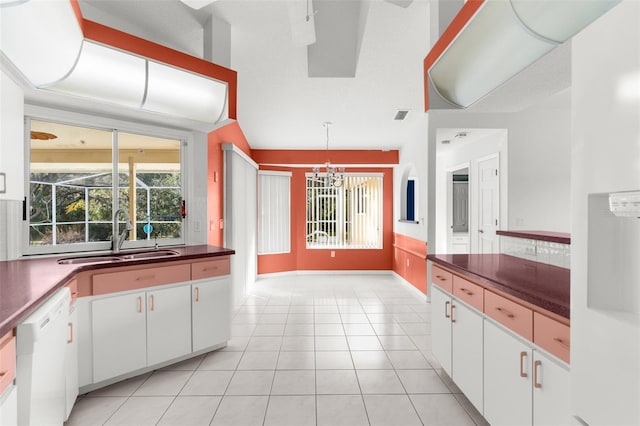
(507, 378)
(119, 335)
(441, 327)
(211, 312)
(71, 362)
(466, 352)
(9, 407)
(550, 392)
(168, 324)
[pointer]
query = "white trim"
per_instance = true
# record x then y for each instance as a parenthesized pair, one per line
(356, 174)
(274, 173)
(352, 165)
(231, 147)
(323, 272)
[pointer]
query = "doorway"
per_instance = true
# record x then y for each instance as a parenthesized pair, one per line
(458, 206)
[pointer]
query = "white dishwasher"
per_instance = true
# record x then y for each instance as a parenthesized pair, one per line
(40, 377)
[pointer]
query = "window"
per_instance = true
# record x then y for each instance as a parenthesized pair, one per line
(274, 206)
(79, 176)
(348, 216)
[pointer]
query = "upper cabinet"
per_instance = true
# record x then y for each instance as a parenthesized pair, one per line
(11, 139)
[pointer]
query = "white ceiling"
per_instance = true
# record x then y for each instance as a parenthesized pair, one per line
(279, 106)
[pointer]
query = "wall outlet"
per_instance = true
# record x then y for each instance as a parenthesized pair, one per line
(221, 223)
(333, 253)
(196, 226)
(212, 225)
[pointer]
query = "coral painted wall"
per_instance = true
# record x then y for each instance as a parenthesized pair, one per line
(231, 133)
(303, 259)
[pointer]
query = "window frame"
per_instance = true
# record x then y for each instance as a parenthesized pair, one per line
(105, 124)
(341, 217)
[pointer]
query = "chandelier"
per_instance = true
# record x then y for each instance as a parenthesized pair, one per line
(330, 176)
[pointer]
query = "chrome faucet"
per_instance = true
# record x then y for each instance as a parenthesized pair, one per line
(117, 239)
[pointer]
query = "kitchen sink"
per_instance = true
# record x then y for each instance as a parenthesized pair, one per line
(87, 259)
(150, 254)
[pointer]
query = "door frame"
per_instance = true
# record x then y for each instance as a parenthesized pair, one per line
(450, 171)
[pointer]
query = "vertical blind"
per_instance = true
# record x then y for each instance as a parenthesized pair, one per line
(348, 216)
(274, 207)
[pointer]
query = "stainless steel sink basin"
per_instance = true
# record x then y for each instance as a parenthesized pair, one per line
(88, 259)
(152, 254)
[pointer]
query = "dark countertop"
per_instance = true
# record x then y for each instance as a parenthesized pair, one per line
(545, 286)
(27, 282)
(553, 237)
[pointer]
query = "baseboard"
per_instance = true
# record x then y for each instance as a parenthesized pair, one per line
(409, 286)
(324, 272)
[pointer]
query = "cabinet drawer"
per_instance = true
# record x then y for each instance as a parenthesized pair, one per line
(510, 314)
(210, 268)
(140, 278)
(7, 360)
(442, 278)
(468, 292)
(552, 336)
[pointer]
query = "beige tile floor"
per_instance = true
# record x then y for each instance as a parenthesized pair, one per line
(305, 350)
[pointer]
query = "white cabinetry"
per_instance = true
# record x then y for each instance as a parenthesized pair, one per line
(441, 327)
(211, 316)
(535, 385)
(457, 343)
(71, 362)
(168, 324)
(466, 351)
(134, 330)
(11, 139)
(551, 395)
(119, 335)
(9, 407)
(507, 377)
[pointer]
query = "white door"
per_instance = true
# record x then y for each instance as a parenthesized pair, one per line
(507, 378)
(168, 323)
(211, 313)
(119, 335)
(466, 351)
(551, 396)
(488, 204)
(441, 327)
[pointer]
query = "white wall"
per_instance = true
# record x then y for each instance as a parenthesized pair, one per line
(605, 340)
(538, 158)
(412, 155)
(452, 157)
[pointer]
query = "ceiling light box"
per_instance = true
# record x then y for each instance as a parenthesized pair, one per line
(44, 42)
(502, 39)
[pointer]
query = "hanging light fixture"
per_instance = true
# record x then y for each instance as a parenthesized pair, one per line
(330, 176)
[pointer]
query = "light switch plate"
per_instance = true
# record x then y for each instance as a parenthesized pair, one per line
(3, 183)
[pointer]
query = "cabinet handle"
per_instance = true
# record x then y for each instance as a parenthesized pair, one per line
(145, 277)
(140, 304)
(523, 355)
(153, 305)
(505, 312)
(441, 278)
(452, 308)
(536, 384)
(210, 268)
(197, 289)
(561, 342)
(70, 340)
(2, 373)
(446, 305)
(467, 292)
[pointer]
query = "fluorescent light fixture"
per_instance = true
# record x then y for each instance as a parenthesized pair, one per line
(559, 20)
(184, 94)
(107, 75)
(197, 4)
(502, 39)
(41, 38)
